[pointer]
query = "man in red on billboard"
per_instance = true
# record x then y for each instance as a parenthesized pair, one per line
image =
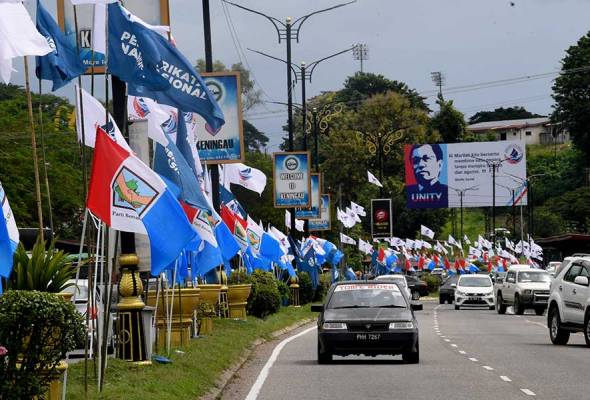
(426, 176)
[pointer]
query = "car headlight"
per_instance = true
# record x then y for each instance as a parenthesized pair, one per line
(334, 325)
(401, 325)
(459, 293)
(528, 291)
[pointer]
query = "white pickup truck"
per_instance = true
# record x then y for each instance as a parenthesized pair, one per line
(523, 287)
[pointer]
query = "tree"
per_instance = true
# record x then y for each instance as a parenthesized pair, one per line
(449, 122)
(253, 138)
(571, 92)
(363, 85)
(502, 114)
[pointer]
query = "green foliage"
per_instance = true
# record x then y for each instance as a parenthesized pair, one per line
(449, 122)
(45, 271)
(432, 281)
(573, 209)
(37, 329)
(62, 158)
(265, 298)
(322, 289)
(254, 139)
(284, 291)
(571, 93)
(502, 114)
(306, 291)
(238, 277)
(206, 310)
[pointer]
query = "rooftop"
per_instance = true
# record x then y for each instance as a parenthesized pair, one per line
(508, 124)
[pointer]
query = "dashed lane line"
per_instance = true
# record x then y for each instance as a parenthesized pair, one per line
(528, 392)
(462, 352)
(473, 359)
(505, 378)
(487, 367)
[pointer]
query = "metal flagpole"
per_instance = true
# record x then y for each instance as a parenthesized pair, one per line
(44, 157)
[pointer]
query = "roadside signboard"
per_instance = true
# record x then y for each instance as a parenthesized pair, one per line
(381, 219)
(291, 179)
(324, 223)
(316, 190)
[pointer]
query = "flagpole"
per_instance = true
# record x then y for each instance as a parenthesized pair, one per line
(44, 158)
(34, 146)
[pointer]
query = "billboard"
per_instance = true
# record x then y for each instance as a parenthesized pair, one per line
(316, 190)
(227, 144)
(381, 220)
(446, 175)
(154, 12)
(324, 222)
(291, 179)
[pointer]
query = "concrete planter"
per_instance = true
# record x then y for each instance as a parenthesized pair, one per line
(237, 297)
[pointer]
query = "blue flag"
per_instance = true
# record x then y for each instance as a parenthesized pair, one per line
(231, 202)
(62, 64)
(133, 53)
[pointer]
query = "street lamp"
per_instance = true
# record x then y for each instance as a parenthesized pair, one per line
(380, 144)
(288, 31)
(512, 191)
(461, 193)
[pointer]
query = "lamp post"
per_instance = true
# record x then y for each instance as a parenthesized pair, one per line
(512, 191)
(461, 193)
(380, 144)
(288, 31)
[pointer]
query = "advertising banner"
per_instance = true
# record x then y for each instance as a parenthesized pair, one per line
(291, 179)
(225, 145)
(154, 12)
(381, 220)
(316, 190)
(446, 175)
(324, 223)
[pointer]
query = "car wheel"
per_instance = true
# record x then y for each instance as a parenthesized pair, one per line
(412, 357)
(587, 329)
(456, 307)
(324, 357)
(500, 306)
(557, 334)
(540, 310)
(518, 307)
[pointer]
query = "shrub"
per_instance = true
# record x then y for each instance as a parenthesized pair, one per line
(285, 292)
(37, 330)
(306, 290)
(239, 277)
(323, 287)
(432, 281)
(265, 298)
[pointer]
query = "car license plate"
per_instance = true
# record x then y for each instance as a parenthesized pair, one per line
(475, 298)
(368, 336)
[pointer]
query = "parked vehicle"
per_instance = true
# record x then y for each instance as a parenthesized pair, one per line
(474, 290)
(446, 292)
(569, 302)
(367, 317)
(522, 288)
(552, 267)
(399, 278)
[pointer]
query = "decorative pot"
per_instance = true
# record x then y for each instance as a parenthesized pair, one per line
(205, 326)
(210, 293)
(237, 297)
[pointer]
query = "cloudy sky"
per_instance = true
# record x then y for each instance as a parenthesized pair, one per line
(470, 41)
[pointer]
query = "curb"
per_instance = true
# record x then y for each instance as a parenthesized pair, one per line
(227, 375)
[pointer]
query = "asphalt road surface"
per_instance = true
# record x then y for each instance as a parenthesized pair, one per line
(466, 354)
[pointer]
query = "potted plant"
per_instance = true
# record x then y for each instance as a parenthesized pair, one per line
(205, 314)
(238, 292)
(36, 331)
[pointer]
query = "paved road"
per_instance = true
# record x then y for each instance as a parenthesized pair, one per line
(466, 354)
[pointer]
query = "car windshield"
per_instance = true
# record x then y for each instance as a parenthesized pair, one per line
(450, 281)
(472, 281)
(533, 276)
(363, 295)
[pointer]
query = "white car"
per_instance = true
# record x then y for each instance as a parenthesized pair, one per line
(474, 290)
(401, 279)
(569, 302)
(523, 287)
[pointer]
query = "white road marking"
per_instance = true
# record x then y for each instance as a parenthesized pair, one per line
(257, 386)
(473, 359)
(462, 352)
(443, 336)
(453, 345)
(528, 392)
(505, 378)
(487, 367)
(447, 340)
(536, 323)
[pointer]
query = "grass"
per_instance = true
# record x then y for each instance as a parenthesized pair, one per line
(191, 374)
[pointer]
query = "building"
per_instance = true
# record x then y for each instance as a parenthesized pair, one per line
(529, 130)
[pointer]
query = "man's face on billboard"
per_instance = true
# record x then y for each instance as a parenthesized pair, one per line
(426, 166)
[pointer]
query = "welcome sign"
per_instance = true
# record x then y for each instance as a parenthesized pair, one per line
(324, 222)
(291, 179)
(316, 190)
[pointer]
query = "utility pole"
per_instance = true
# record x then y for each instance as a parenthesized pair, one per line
(360, 53)
(288, 31)
(439, 80)
(461, 193)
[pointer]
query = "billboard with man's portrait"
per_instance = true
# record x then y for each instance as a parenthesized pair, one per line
(460, 174)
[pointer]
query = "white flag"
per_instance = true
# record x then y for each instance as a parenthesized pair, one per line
(353, 215)
(358, 209)
(365, 247)
(94, 117)
(243, 175)
(347, 239)
(426, 245)
(373, 179)
(474, 252)
(454, 242)
(298, 223)
(18, 37)
(281, 237)
(429, 233)
(466, 239)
